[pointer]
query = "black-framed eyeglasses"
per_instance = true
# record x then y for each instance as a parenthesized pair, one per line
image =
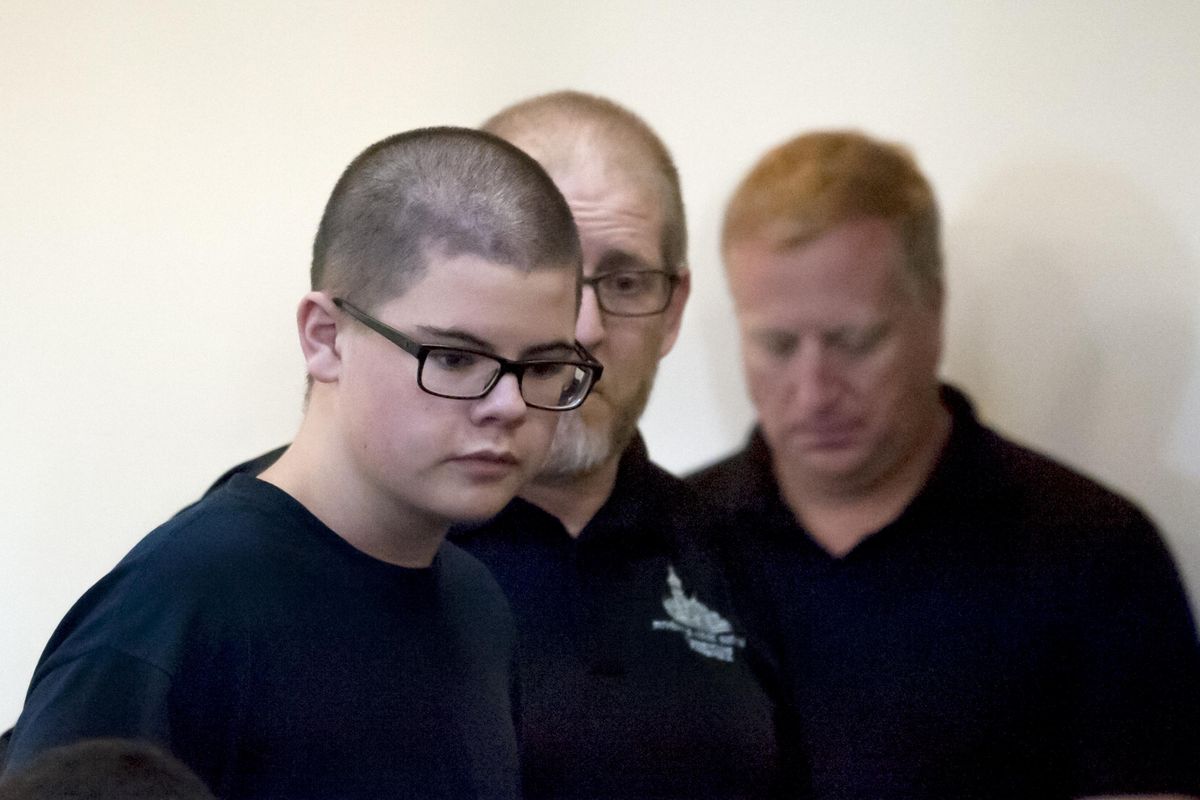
(461, 373)
(633, 292)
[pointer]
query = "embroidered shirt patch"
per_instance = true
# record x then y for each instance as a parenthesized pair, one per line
(706, 631)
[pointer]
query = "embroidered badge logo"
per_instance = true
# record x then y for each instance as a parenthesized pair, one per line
(706, 631)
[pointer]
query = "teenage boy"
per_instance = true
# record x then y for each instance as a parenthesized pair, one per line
(309, 633)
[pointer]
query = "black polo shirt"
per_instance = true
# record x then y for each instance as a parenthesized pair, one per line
(1018, 632)
(635, 679)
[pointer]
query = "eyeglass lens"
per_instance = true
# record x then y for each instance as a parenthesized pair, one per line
(459, 373)
(633, 292)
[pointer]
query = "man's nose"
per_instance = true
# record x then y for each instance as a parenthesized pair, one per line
(589, 327)
(814, 376)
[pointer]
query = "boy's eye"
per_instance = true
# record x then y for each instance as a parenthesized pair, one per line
(543, 371)
(453, 359)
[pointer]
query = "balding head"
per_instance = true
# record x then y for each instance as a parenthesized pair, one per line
(563, 130)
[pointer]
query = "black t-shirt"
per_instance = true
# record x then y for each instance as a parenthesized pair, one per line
(635, 678)
(1018, 632)
(280, 662)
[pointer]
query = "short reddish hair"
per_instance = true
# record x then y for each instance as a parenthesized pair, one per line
(809, 185)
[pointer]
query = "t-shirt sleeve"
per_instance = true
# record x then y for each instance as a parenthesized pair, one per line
(103, 692)
(1137, 697)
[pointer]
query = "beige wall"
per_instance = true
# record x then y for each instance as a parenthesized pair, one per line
(163, 165)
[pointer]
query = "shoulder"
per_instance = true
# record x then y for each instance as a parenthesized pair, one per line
(657, 484)
(192, 549)
(1048, 493)
(254, 467)
(464, 571)
(681, 515)
(223, 535)
(1016, 486)
(740, 500)
(739, 492)
(1061, 524)
(1097, 567)
(472, 599)
(734, 474)
(466, 578)
(189, 575)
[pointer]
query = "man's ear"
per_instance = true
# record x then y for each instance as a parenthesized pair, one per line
(673, 316)
(317, 322)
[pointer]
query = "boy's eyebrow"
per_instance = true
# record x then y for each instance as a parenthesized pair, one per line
(558, 350)
(453, 336)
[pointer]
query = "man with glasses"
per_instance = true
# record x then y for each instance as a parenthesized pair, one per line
(635, 678)
(309, 634)
(952, 615)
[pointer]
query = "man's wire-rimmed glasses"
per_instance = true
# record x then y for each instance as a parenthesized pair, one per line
(633, 292)
(462, 373)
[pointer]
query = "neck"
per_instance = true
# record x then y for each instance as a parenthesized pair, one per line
(839, 516)
(575, 499)
(317, 473)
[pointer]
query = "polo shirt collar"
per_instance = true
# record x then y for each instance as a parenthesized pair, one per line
(963, 476)
(632, 518)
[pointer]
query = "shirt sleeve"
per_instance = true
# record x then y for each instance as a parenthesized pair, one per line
(1137, 697)
(101, 693)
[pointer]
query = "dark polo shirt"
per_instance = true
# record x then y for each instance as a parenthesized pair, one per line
(1018, 632)
(635, 675)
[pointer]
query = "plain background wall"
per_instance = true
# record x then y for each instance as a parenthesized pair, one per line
(163, 166)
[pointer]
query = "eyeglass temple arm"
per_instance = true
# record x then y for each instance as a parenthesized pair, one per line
(389, 333)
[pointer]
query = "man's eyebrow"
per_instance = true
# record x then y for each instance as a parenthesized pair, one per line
(773, 335)
(617, 260)
(457, 336)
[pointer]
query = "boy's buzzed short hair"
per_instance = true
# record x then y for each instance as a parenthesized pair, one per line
(445, 190)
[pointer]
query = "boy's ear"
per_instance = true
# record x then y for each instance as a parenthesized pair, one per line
(317, 322)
